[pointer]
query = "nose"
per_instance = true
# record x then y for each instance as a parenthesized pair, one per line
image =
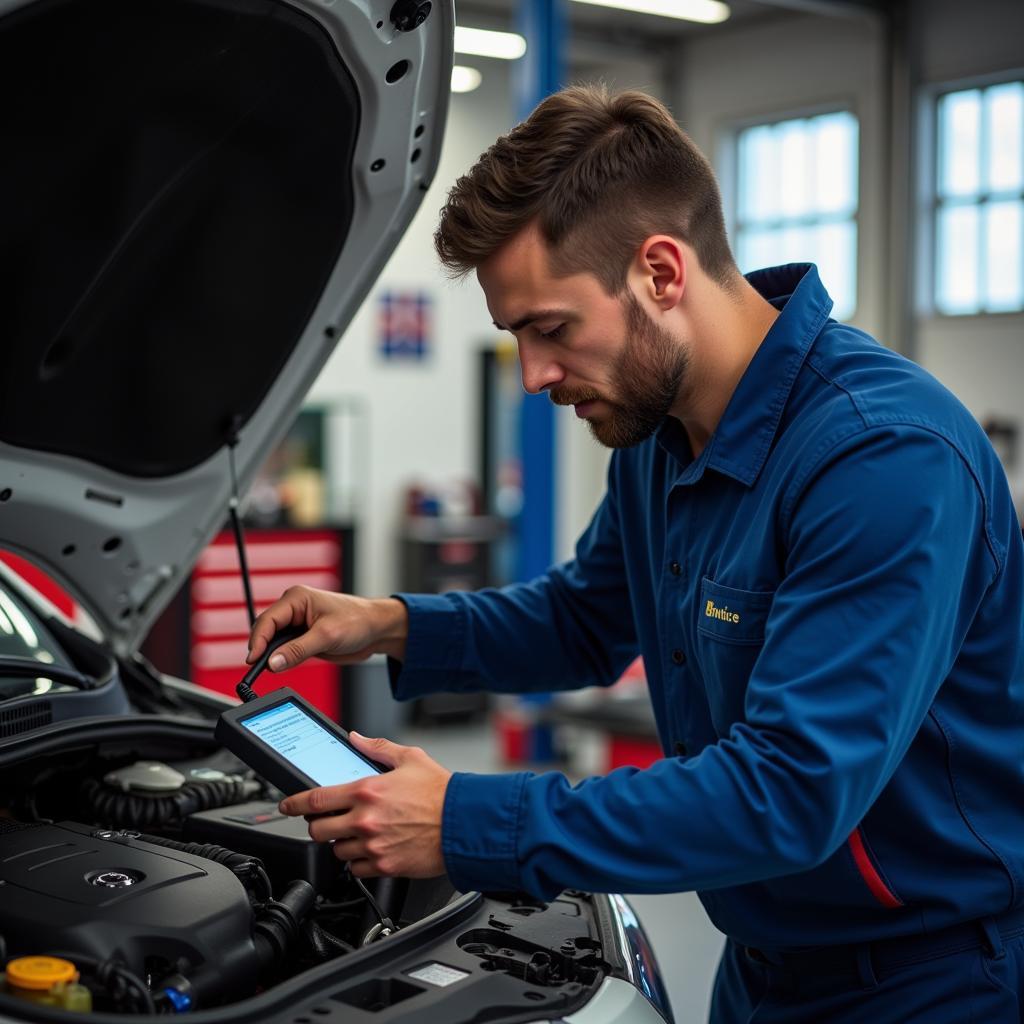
(540, 371)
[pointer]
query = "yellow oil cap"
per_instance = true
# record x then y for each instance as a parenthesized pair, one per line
(40, 973)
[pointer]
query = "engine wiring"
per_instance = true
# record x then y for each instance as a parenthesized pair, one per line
(385, 925)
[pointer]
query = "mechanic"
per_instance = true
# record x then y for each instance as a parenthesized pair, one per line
(813, 546)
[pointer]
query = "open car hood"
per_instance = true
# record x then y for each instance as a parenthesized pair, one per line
(195, 198)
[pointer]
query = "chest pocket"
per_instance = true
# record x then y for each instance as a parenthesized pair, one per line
(730, 634)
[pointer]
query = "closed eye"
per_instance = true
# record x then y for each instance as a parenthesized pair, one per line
(555, 332)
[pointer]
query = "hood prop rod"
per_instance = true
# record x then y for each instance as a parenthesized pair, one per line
(236, 522)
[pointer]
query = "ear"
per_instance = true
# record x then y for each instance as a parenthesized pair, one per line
(661, 266)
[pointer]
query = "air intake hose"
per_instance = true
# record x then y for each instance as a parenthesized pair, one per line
(278, 924)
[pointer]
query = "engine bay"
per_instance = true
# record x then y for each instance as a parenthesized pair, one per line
(145, 869)
(182, 872)
(156, 868)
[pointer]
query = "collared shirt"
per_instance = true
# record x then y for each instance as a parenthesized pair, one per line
(829, 601)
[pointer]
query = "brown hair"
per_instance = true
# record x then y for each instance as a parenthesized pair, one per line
(601, 171)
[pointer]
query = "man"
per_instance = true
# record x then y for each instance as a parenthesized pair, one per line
(814, 548)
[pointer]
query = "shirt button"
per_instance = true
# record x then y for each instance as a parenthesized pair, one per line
(678, 657)
(675, 568)
(680, 748)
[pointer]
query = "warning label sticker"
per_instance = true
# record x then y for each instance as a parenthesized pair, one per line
(438, 974)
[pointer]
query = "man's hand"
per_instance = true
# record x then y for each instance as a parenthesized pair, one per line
(387, 824)
(341, 628)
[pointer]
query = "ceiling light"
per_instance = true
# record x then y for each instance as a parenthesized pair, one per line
(482, 43)
(464, 79)
(710, 12)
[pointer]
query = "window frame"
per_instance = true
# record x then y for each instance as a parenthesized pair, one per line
(729, 164)
(930, 202)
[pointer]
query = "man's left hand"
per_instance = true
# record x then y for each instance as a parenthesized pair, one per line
(388, 824)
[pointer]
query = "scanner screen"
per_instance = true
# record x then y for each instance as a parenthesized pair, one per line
(325, 758)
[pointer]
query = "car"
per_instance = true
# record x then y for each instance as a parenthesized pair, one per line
(195, 198)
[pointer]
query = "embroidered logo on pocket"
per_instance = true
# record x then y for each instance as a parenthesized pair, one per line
(712, 611)
(728, 613)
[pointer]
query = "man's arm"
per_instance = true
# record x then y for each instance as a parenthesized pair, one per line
(887, 554)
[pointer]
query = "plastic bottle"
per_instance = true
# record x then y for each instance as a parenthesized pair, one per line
(47, 981)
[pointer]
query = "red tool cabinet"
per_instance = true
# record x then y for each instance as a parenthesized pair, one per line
(219, 625)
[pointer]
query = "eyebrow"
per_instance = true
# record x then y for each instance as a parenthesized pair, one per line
(528, 318)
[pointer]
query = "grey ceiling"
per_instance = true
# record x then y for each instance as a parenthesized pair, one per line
(588, 20)
(593, 27)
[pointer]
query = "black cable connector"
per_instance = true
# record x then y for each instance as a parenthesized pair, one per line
(245, 692)
(385, 925)
(244, 689)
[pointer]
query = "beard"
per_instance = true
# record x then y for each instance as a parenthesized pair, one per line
(646, 379)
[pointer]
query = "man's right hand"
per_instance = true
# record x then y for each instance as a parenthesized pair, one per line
(340, 628)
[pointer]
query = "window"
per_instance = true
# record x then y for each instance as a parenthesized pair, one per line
(797, 200)
(979, 201)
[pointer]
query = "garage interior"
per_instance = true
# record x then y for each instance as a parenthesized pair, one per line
(418, 465)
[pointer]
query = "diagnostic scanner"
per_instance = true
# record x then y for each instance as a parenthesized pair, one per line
(287, 740)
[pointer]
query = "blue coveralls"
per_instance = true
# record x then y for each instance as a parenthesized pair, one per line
(829, 601)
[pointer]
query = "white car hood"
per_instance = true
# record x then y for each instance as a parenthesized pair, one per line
(195, 198)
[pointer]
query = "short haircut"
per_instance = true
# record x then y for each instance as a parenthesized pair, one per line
(599, 173)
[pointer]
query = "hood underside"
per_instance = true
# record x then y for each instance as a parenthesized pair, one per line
(169, 233)
(195, 197)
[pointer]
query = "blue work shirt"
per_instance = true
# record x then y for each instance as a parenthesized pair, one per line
(829, 605)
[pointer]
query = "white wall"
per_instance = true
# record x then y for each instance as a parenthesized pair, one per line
(420, 417)
(796, 63)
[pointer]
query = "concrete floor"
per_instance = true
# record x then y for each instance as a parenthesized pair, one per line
(686, 944)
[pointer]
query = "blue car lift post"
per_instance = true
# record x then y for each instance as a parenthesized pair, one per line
(540, 73)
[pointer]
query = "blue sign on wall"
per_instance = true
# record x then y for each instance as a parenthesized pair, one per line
(405, 325)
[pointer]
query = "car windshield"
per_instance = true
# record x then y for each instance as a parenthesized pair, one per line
(23, 634)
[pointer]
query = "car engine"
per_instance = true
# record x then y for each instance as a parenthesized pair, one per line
(164, 913)
(181, 886)
(146, 870)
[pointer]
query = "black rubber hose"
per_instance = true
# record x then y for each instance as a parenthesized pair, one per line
(278, 924)
(325, 945)
(128, 810)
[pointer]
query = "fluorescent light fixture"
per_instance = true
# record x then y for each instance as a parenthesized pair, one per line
(464, 79)
(482, 43)
(710, 12)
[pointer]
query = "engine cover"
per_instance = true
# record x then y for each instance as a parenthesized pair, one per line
(65, 888)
